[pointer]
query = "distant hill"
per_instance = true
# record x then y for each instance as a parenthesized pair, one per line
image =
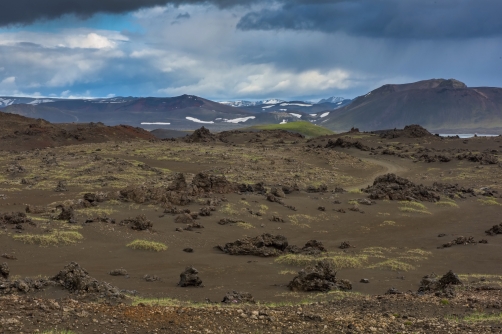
(439, 105)
(24, 133)
(305, 128)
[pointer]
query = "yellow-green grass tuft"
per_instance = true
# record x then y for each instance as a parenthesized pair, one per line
(245, 225)
(489, 201)
(339, 260)
(147, 245)
(478, 317)
(54, 239)
(392, 264)
(447, 203)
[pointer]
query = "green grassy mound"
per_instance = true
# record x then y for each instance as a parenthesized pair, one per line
(305, 128)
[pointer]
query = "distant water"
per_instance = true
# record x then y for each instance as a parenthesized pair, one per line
(465, 135)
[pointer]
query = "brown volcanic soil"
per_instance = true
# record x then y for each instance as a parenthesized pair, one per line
(395, 242)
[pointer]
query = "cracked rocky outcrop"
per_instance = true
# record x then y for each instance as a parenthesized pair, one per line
(76, 279)
(409, 131)
(61, 187)
(201, 135)
(312, 247)
(440, 287)
(15, 218)
(482, 158)
(345, 143)
(236, 297)
(264, 245)
(496, 229)
(319, 277)
(460, 240)
(140, 223)
(393, 187)
(72, 278)
(4, 270)
(213, 183)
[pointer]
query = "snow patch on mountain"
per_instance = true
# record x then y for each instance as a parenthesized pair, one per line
(193, 119)
(296, 104)
(296, 115)
(238, 120)
(324, 114)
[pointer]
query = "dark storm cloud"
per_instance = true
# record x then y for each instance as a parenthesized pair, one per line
(29, 11)
(419, 19)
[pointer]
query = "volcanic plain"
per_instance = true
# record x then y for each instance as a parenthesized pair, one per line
(272, 232)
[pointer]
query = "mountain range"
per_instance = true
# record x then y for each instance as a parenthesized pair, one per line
(181, 112)
(440, 105)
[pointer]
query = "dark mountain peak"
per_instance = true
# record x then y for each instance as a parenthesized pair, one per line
(424, 84)
(452, 83)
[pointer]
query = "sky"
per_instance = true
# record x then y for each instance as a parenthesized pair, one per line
(247, 49)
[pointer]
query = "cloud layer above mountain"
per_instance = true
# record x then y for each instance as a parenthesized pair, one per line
(244, 49)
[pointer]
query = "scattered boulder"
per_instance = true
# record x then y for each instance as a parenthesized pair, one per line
(409, 131)
(312, 247)
(118, 272)
(341, 142)
(496, 229)
(9, 256)
(184, 219)
(321, 277)
(179, 183)
(206, 211)
(278, 192)
(393, 291)
(100, 219)
(364, 280)
(192, 226)
(277, 219)
(201, 135)
(264, 245)
(345, 245)
(188, 250)
(61, 187)
(212, 183)
(459, 241)
(390, 186)
(272, 198)
(321, 189)
(36, 209)
(482, 158)
(365, 201)
(442, 286)
(76, 279)
(236, 297)
(4, 270)
(226, 221)
(67, 212)
(15, 218)
(190, 277)
(257, 187)
(140, 223)
(151, 278)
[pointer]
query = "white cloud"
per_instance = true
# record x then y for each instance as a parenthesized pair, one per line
(67, 38)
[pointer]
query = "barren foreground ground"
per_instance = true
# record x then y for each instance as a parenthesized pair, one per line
(136, 214)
